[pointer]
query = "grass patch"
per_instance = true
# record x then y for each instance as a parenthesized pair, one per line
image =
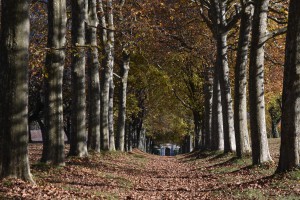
(205, 154)
(113, 154)
(243, 161)
(122, 182)
(39, 166)
(69, 188)
(223, 170)
(139, 156)
(106, 195)
(8, 183)
(140, 159)
(294, 175)
(248, 193)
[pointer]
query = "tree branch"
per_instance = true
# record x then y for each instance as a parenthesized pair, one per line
(206, 20)
(273, 34)
(181, 100)
(232, 21)
(278, 21)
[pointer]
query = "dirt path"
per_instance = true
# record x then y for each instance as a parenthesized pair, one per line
(168, 178)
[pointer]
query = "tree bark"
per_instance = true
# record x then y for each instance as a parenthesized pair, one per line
(208, 101)
(226, 100)
(130, 137)
(112, 146)
(217, 117)
(197, 129)
(260, 148)
(94, 79)
(275, 133)
(78, 146)
(122, 101)
(240, 101)
(14, 90)
(275, 120)
(105, 74)
(55, 61)
(290, 138)
(220, 34)
(110, 65)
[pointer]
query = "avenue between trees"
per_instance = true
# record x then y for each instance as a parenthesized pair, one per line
(93, 77)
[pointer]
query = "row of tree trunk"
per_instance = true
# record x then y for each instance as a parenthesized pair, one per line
(13, 77)
(225, 131)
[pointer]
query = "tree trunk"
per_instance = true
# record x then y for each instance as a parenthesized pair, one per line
(105, 74)
(220, 35)
(197, 129)
(122, 101)
(130, 137)
(240, 101)
(104, 109)
(14, 90)
(111, 113)
(78, 146)
(260, 148)
(67, 128)
(110, 65)
(208, 95)
(55, 61)
(126, 139)
(43, 132)
(290, 124)
(217, 117)
(226, 100)
(93, 82)
(139, 134)
(275, 133)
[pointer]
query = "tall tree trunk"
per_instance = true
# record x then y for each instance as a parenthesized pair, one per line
(223, 71)
(275, 133)
(142, 137)
(55, 61)
(67, 127)
(94, 81)
(240, 101)
(14, 90)
(290, 137)
(226, 100)
(260, 148)
(197, 129)
(104, 108)
(105, 74)
(111, 113)
(217, 117)
(139, 135)
(208, 101)
(110, 65)
(130, 137)
(78, 146)
(122, 101)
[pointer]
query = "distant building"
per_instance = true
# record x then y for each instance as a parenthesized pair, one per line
(168, 149)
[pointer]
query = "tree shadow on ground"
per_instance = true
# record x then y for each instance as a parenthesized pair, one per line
(225, 163)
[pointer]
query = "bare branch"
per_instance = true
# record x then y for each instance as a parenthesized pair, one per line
(232, 21)
(181, 100)
(273, 34)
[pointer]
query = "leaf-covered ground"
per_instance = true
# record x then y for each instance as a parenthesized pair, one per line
(136, 175)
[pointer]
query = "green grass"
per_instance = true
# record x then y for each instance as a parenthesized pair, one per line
(249, 193)
(106, 195)
(294, 175)
(122, 182)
